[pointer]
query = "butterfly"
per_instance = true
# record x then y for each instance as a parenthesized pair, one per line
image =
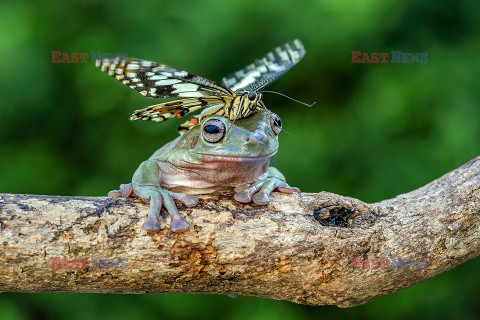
(237, 97)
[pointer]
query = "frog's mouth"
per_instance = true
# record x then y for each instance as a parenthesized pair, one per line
(215, 160)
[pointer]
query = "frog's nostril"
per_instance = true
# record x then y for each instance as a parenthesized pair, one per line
(256, 138)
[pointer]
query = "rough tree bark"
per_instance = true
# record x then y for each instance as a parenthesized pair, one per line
(307, 248)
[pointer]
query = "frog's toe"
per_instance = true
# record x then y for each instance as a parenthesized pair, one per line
(261, 198)
(190, 200)
(285, 188)
(152, 225)
(243, 197)
(244, 193)
(179, 225)
(126, 190)
(186, 199)
(115, 194)
(241, 188)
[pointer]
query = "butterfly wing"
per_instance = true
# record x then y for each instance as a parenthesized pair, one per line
(267, 69)
(164, 111)
(155, 80)
(189, 124)
(219, 109)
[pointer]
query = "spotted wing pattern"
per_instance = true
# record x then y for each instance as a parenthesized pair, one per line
(155, 80)
(179, 108)
(263, 71)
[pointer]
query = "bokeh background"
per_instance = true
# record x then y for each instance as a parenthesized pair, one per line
(377, 130)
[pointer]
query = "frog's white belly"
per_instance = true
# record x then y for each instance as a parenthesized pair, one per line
(210, 178)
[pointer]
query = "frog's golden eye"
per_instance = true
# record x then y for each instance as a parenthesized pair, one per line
(276, 123)
(213, 130)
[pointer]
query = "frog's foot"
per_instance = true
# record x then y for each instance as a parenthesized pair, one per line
(259, 191)
(157, 198)
(179, 224)
(152, 224)
(115, 194)
(126, 191)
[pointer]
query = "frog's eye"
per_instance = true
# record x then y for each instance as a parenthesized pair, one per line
(213, 130)
(276, 123)
(251, 95)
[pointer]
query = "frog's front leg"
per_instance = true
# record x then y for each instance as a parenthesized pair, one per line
(146, 184)
(259, 191)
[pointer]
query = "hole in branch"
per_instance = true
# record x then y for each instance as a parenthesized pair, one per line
(334, 216)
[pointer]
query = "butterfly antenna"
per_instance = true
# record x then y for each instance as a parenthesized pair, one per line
(283, 95)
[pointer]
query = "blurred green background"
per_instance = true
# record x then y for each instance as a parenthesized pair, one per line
(377, 130)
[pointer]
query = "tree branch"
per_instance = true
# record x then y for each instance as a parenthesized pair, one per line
(307, 248)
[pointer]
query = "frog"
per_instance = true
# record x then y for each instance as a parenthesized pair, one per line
(215, 155)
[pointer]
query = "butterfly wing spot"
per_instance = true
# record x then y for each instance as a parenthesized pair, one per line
(181, 113)
(190, 94)
(262, 69)
(157, 77)
(146, 63)
(167, 82)
(185, 87)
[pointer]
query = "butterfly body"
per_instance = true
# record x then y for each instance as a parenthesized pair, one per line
(238, 105)
(237, 97)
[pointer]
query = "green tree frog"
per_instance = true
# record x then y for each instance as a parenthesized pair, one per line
(214, 155)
